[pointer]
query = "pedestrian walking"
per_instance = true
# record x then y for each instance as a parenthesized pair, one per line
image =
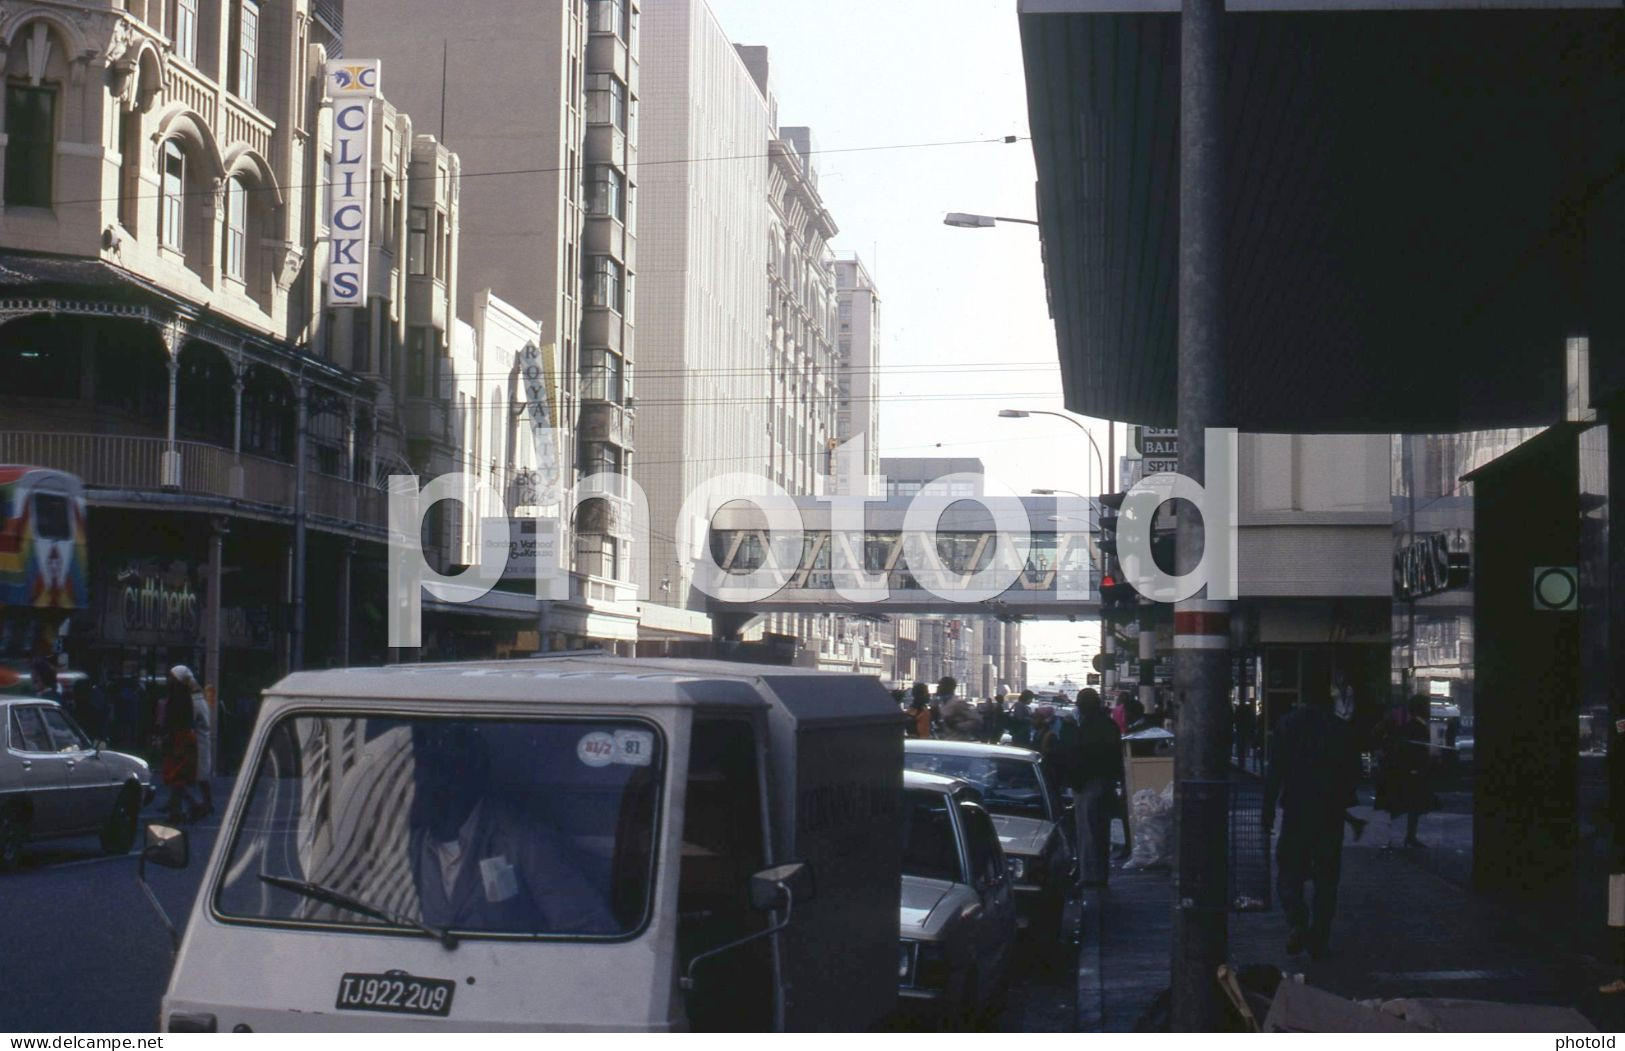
(1094, 767)
(1245, 725)
(960, 722)
(176, 747)
(1402, 781)
(203, 731)
(1616, 879)
(990, 709)
(1129, 706)
(919, 707)
(44, 680)
(1065, 729)
(1047, 745)
(1313, 769)
(1020, 720)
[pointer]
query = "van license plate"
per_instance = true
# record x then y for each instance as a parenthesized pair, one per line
(397, 993)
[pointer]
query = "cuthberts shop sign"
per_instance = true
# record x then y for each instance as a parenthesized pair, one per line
(162, 603)
(352, 86)
(1433, 563)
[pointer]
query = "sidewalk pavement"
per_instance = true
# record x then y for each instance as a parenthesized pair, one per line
(1401, 931)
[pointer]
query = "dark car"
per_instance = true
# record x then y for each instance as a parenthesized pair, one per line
(1026, 813)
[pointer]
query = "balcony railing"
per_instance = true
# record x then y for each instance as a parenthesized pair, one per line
(109, 461)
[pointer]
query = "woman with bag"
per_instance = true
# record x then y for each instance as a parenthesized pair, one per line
(1403, 742)
(178, 760)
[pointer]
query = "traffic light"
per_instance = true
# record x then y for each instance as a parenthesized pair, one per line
(1111, 506)
(1117, 596)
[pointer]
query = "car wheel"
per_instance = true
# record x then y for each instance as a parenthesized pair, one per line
(118, 834)
(13, 834)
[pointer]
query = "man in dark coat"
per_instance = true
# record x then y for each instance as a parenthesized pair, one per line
(1313, 771)
(1094, 766)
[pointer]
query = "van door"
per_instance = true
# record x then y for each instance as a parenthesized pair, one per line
(722, 848)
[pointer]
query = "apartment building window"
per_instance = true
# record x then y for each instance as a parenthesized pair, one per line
(417, 242)
(606, 100)
(325, 214)
(361, 338)
(417, 362)
(186, 30)
(31, 144)
(442, 245)
(606, 192)
(607, 16)
(248, 50)
(173, 199)
(236, 228)
(602, 375)
(605, 283)
(247, 53)
(602, 458)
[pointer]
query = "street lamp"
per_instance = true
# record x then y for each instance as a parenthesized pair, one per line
(1058, 492)
(971, 221)
(1022, 414)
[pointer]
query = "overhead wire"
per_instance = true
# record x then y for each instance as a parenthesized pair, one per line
(555, 169)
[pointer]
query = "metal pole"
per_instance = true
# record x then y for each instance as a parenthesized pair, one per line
(217, 543)
(296, 651)
(347, 558)
(1111, 457)
(1201, 628)
(1108, 638)
(1148, 658)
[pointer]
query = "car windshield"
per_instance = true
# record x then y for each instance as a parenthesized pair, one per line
(1009, 785)
(929, 847)
(483, 827)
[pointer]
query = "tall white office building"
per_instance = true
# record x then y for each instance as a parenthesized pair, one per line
(704, 384)
(857, 354)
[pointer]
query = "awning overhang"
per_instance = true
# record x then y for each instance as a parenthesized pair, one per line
(1423, 200)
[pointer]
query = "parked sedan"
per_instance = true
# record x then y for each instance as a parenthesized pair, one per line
(54, 782)
(957, 923)
(1026, 813)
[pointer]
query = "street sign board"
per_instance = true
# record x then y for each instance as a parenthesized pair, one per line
(1160, 447)
(1557, 587)
(532, 550)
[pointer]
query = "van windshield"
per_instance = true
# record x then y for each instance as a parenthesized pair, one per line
(527, 828)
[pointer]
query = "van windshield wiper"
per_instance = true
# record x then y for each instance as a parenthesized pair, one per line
(345, 901)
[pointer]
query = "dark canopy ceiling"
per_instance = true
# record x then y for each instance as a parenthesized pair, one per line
(1420, 206)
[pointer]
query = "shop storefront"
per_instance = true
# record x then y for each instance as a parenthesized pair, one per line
(1501, 614)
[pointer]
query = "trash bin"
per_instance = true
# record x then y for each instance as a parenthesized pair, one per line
(1148, 763)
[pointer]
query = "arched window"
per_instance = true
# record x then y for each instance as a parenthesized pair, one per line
(33, 71)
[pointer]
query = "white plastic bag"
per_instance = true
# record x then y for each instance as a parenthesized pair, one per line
(1151, 817)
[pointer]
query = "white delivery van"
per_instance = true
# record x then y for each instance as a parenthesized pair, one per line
(575, 843)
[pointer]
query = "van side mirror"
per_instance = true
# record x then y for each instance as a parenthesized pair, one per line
(166, 846)
(780, 885)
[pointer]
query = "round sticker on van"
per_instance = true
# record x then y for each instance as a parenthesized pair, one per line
(596, 749)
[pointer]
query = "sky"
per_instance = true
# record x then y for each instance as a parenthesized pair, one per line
(964, 326)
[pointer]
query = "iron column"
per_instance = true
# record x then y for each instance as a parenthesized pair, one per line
(296, 649)
(1201, 632)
